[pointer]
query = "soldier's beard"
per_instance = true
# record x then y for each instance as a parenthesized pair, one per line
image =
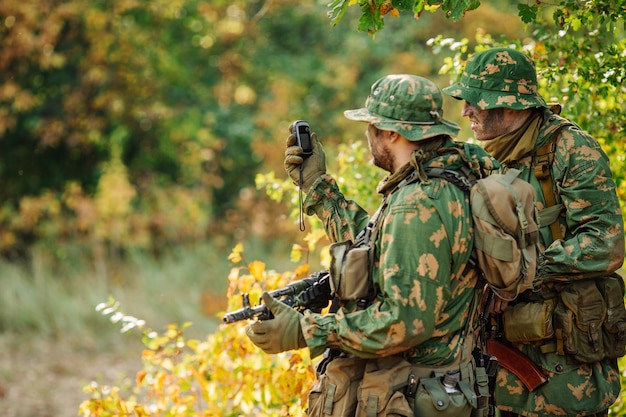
(383, 159)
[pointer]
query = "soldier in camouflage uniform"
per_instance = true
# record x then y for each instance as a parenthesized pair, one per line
(420, 280)
(499, 87)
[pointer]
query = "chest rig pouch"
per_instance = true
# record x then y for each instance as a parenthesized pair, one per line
(352, 262)
(590, 319)
(349, 271)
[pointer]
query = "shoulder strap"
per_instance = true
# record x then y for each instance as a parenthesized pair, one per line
(542, 163)
(464, 180)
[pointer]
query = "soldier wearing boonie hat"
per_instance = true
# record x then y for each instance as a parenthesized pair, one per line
(498, 77)
(406, 104)
(404, 285)
(582, 239)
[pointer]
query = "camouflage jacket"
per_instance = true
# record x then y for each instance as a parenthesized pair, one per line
(592, 246)
(423, 289)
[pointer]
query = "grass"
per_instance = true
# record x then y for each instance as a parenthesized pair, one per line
(186, 284)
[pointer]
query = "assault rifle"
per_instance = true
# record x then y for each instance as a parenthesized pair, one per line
(311, 293)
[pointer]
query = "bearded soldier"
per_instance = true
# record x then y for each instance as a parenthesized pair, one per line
(399, 339)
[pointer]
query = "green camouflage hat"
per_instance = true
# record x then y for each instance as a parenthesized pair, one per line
(406, 104)
(498, 77)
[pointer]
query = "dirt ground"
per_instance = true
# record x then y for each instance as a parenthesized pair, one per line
(45, 378)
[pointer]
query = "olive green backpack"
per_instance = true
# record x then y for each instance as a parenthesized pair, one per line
(506, 229)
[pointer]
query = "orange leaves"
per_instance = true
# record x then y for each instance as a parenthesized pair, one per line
(141, 375)
(387, 8)
(34, 209)
(224, 374)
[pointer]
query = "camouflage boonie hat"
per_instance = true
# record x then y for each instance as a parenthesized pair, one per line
(498, 77)
(406, 104)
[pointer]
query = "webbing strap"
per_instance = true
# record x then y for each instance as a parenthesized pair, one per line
(550, 214)
(542, 163)
(372, 406)
(329, 399)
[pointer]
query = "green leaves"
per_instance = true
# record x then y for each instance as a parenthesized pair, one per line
(337, 9)
(456, 9)
(374, 11)
(527, 13)
(371, 20)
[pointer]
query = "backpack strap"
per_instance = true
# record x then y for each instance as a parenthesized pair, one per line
(542, 163)
(464, 179)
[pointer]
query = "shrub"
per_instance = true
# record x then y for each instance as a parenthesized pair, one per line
(223, 375)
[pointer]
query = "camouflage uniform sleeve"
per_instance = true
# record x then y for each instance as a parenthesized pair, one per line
(413, 277)
(342, 219)
(594, 241)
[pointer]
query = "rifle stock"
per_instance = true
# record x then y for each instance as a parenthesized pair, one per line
(517, 362)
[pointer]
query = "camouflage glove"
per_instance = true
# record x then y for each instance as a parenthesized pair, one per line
(279, 334)
(312, 167)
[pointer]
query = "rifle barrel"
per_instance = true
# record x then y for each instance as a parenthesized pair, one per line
(245, 313)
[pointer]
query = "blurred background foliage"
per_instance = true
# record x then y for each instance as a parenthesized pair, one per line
(142, 125)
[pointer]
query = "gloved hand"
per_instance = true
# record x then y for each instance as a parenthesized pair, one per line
(312, 167)
(279, 334)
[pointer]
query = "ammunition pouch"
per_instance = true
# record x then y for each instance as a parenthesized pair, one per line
(590, 320)
(614, 327)
(587, 320)
(527, 322)
(483, 407)
(382, 389)
(349, 271)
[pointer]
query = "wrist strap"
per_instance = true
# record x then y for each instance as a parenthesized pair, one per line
(301, 214)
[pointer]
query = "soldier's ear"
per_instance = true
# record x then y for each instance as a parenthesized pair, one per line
(394, 136)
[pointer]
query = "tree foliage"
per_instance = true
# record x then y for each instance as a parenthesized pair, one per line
(374, 11)
(143, 124)
(117, 133)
